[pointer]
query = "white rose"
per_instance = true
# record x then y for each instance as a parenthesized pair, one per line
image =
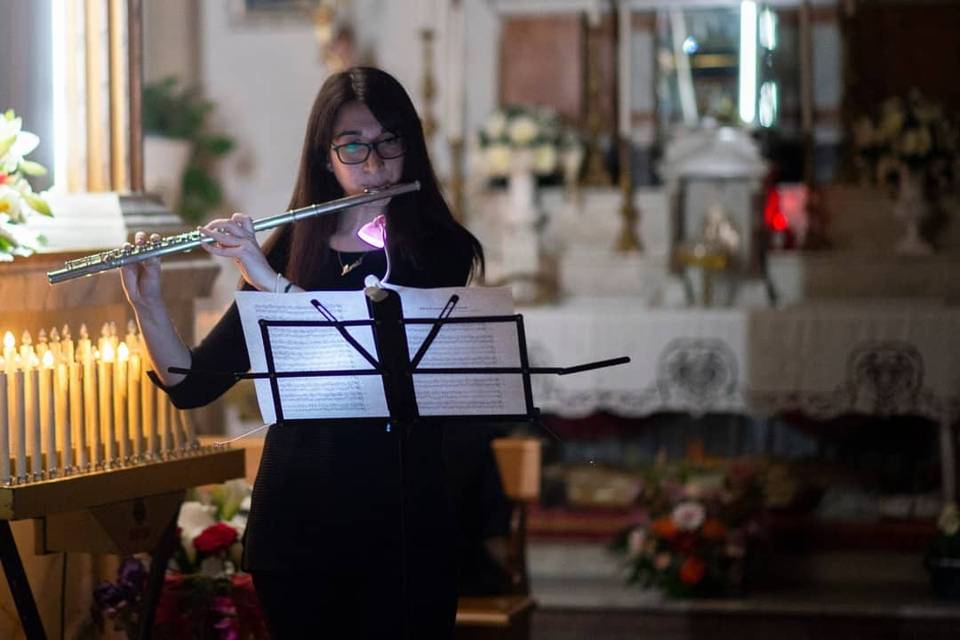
(497, 160)
(523, 130)
(496, 125)
(193, 519)
(688, 516)
(891, 123)
(949, 521)
(544, 159)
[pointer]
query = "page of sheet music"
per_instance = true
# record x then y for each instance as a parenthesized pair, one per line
(322, 348)
(312, 349)
(465, 345)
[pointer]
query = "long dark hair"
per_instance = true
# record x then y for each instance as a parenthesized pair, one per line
(414, 220)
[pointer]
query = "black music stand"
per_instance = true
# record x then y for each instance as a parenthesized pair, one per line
(396, 368)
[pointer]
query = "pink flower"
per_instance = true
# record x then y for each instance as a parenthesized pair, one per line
(635, 541)
(662, 561)
(688, 516)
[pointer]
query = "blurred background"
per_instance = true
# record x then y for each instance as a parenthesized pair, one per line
(754, 200)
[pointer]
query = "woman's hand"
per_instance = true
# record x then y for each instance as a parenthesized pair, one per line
(141, 280)
(235, 238)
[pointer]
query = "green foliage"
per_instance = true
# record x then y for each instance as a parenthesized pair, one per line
(173, 112)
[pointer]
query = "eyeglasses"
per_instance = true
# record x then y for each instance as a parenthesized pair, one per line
(358, 152)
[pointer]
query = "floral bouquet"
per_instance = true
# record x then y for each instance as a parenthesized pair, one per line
(700, 526)
(943, 557)
(908, 133)
(533, 136)
(18, 202)
(204, 594)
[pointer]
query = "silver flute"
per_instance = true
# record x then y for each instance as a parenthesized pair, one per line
(190, 240)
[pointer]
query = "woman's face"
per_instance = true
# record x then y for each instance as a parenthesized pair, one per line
(356, 124)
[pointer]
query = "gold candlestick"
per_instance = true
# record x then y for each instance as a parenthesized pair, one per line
(456, 178)
(428, 86)
(628, 240)
(596, 170)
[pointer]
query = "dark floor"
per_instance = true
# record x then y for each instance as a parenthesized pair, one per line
(624, 625)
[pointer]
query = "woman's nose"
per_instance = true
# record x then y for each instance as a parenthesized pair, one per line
(374, 162)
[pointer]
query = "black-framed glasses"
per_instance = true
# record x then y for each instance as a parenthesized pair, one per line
(358, 152)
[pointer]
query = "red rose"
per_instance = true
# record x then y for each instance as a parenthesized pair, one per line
(216, 537)
(692, 570)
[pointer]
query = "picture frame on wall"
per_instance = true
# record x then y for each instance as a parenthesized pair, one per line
(269, 11)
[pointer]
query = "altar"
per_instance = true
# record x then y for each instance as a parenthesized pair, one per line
(821, 361)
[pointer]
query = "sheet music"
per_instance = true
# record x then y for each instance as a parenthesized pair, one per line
(312, 349)
(465, 345)
(322, 348)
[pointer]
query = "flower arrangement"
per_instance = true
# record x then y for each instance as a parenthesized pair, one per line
(908, 133)
(18, 202)
(700, 525)
(943, 557)
(532, 135)
(205, 595)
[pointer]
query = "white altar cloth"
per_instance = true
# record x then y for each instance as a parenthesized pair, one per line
(823, 361)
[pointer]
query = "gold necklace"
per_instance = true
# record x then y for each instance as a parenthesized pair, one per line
(347, 268)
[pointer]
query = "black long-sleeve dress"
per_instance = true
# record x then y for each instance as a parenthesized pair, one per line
(326, 503)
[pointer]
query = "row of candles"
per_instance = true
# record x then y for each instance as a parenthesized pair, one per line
(70, 407)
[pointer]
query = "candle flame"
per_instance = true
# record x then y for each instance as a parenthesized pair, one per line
(9, 342)
(34, 361)
(48, 360)
(25, 339)
(106, 354)
(123, 352)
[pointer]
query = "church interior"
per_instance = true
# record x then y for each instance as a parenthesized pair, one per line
(750, 200)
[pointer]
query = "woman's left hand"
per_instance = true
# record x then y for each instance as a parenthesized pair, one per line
(235, 238)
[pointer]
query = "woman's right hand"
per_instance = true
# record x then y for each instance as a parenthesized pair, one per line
(141, 280)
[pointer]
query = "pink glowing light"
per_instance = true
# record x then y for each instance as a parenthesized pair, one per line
(374, 232)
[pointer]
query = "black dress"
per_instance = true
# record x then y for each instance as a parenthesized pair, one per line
(325, 516)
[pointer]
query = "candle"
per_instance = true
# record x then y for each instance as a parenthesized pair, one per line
(625, 51)
(32, 403)
(61, 391)
(426, 13)
(104, 337)
(77, 424)
(4, 427)
(47, 425)
(26, 348)
(189, 434)
(17, 418)
(147, 415)
(105, 382)
(9, 348)
(456, 35)
(66, 344)
(120, 401)
(42, 346)
(91, 408)
(163, 421)
(174, 415)
(133, 403)
(84, 347)
(55, 344)
(131, 338)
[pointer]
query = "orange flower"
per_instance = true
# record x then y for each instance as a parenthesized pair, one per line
(713, 529)
(692, 570)
(664, 528)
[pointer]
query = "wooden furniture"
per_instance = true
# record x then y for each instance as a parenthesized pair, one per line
(124, 510)
(508, 615)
